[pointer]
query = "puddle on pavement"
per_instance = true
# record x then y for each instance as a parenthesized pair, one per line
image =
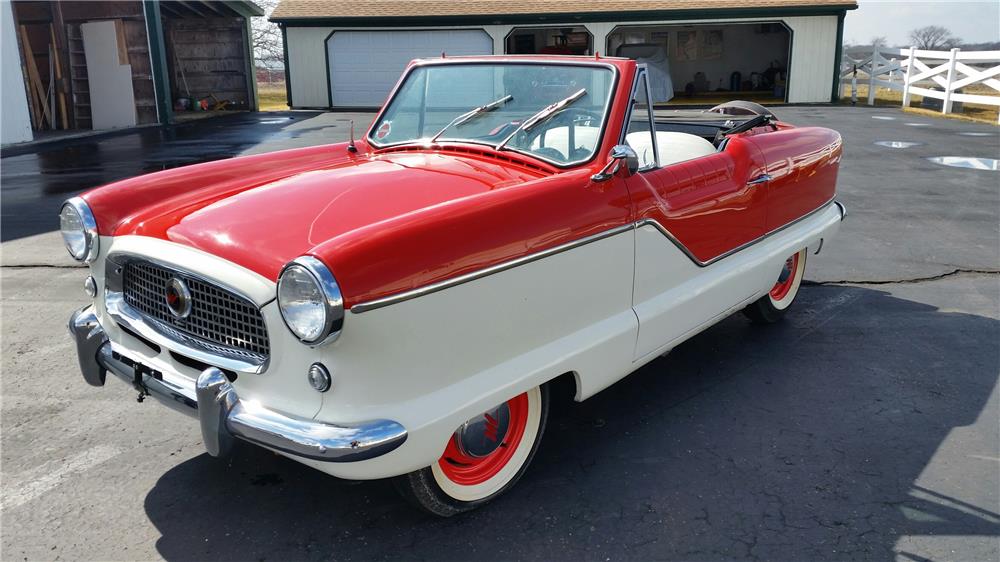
(897, 144)
(883, 117)
(991, 164)
(976, 134)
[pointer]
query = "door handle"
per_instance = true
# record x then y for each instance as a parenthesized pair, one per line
(763, 178)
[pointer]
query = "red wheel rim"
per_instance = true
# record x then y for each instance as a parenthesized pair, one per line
(786, 279)
(467, 470)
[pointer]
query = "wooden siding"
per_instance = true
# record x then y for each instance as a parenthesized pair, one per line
(814, 52)
(307, 66)
(211, 52)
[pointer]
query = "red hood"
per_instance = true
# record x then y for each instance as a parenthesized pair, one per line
(263, 211)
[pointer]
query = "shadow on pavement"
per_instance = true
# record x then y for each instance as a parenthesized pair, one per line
(803, 440)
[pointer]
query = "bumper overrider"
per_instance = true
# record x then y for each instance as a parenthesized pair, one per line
(223, 416)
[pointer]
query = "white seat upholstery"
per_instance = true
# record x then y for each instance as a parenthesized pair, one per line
(558, 138)
(673, 147)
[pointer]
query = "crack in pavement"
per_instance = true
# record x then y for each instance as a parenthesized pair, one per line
(957, 271)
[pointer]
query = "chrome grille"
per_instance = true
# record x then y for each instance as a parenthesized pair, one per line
(217, 315)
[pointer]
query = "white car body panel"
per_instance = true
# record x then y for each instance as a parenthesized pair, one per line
(599, 311)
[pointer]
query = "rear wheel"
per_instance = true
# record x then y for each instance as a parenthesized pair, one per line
(771, 307)
(484, 458)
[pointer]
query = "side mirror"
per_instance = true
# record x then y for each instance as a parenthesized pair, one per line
(620, 153)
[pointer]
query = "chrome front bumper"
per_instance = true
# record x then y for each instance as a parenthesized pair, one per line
(223, 416)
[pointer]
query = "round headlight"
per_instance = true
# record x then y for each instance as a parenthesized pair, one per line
(310, 301)
(79, 230)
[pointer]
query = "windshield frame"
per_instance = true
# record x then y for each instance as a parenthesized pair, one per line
(606, 112)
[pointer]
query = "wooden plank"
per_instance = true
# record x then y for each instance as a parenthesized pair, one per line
(35, 81)
(111, 90)
(986, 56)
(61, 93)
(927, 93)
(975, 98)
(122, 46)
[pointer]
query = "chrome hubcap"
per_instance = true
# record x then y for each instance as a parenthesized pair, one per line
(484, 433)
(786, 271)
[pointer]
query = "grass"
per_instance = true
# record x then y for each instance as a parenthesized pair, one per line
(272, 96)
(885, 97)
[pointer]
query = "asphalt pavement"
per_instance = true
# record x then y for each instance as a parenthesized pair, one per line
(866, 426)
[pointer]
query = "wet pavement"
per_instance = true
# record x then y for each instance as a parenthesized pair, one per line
(865, 426)
(35, 180)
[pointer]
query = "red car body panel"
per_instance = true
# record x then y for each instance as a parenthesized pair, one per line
(803, 164)
(706, 203)
(391, 220)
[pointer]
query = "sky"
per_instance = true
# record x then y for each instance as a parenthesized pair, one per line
(972, 22)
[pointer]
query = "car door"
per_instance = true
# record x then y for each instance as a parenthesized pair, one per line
(690, 215)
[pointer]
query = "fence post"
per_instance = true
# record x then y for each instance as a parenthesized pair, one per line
(871, 75)
(906, 78)
(946, 106)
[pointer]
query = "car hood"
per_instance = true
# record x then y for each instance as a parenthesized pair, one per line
(265, 226)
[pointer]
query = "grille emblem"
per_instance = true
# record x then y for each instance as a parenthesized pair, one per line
(178, 298)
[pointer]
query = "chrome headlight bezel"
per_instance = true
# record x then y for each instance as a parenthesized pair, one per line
(332, 300)
(88, 229)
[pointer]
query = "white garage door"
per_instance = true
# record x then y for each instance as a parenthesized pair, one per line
(364, 65)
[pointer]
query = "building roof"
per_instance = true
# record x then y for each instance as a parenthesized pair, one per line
(495, 11)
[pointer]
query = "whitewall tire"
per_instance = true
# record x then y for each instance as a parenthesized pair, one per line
(482, 459)
(771, 307)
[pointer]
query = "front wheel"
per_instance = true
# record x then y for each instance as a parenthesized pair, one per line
(484, 458)
(771, 307)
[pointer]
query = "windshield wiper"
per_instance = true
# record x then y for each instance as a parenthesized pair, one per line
(470, 114)
(542, 115)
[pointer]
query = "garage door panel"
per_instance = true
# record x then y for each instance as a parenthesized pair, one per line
(365, 65)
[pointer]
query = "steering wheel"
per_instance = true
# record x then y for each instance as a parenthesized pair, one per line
(569, 117)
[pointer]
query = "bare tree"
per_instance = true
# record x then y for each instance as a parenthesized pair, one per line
(266, 38)
(879, 41)
(933, 38)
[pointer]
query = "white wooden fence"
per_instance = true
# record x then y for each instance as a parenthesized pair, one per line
(935, 74)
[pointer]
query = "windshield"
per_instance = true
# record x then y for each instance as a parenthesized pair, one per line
(489, 103)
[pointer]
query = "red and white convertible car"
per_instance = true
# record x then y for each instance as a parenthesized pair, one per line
(398, 306)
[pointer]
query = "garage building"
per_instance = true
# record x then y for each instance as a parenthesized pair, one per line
(349, 54)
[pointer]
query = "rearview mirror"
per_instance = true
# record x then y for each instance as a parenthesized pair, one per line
(619, 154)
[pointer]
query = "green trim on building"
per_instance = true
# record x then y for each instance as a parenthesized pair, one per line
(254, 101)
(158, 59)
(835, 93)
(561, 18)
(288, 67)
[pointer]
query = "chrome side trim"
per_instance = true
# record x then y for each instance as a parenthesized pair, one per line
(175, 340)
(666, 233)
(448, 283)
(462, 279)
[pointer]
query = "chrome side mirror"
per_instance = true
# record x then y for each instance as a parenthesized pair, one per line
(620, 153)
